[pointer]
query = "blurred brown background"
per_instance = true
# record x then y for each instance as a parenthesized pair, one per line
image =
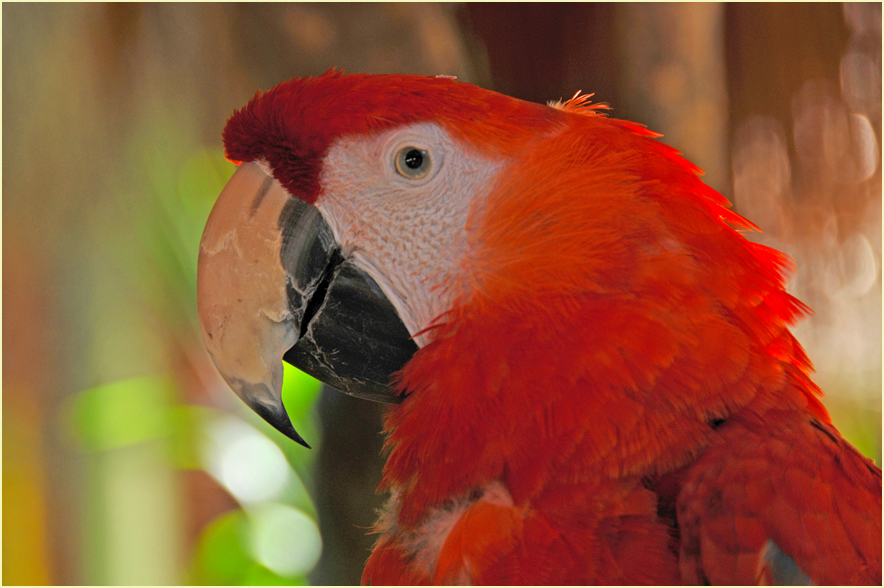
(125, 458)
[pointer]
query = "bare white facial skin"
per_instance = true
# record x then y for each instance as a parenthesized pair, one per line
(407, 231)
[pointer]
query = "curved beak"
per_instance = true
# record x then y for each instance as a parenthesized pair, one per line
(272, 286)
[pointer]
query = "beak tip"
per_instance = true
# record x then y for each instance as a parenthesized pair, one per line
(272, 411)
(280, 421)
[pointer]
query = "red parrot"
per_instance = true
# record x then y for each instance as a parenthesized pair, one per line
(592, 372)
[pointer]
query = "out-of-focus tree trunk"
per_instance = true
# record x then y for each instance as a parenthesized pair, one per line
(348, 469)
(546, 51)
(807, 43)
(74, 107)
(658, 64)
(27, 550)
(672, 78)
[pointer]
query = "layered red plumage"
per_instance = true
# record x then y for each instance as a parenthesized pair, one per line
(621, 363)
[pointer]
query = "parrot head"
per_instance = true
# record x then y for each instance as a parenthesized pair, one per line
(369, 212)
(336, 243)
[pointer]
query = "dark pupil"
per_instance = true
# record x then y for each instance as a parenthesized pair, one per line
(414, 159)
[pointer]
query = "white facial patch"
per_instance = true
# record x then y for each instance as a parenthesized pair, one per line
(408, 233)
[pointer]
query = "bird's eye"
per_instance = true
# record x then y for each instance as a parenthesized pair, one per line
(413, 163)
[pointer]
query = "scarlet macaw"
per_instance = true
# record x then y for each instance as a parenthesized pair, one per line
(595, 378)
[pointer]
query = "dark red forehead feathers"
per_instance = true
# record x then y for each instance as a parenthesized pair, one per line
(292, 125)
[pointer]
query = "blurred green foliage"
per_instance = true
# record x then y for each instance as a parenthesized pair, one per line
(123, 413)
(274, 541)
(246, 546)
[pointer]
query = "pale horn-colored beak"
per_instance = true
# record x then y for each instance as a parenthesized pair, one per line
(243, 302)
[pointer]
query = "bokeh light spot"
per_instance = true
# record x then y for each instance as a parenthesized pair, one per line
(244, 461)
(284, 539)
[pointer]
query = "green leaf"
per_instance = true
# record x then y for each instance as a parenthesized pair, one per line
(222, 557)
(122, 413)
(299, 391)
